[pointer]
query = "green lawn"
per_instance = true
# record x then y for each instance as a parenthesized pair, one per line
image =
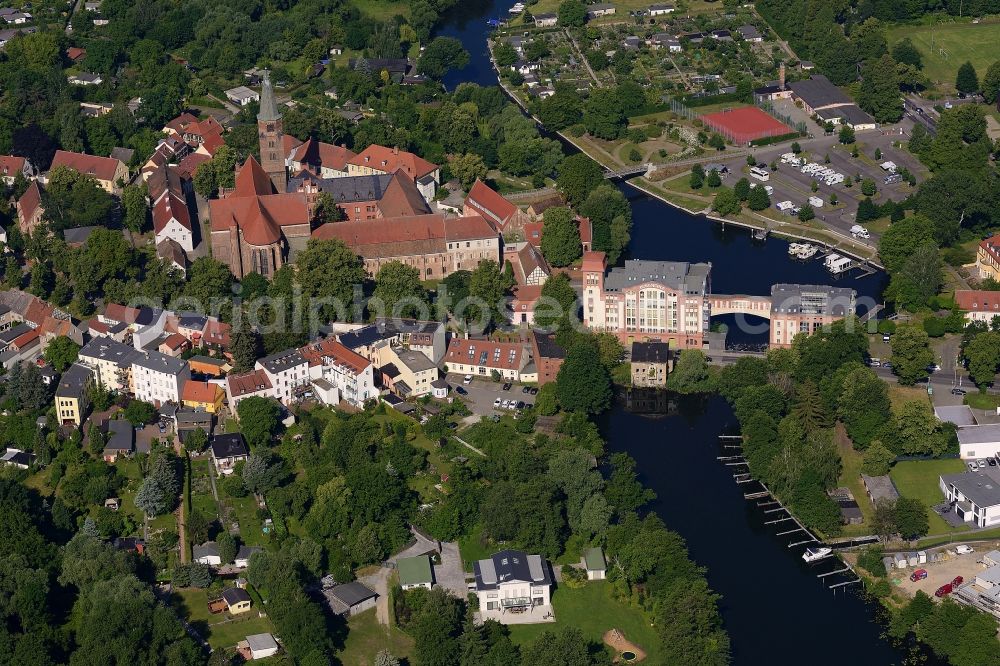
(594, 611)
(945, 47)
(383, 10)
(366, 637)
(982, 400)
(223, 629)
(471, 549)
(919, 479)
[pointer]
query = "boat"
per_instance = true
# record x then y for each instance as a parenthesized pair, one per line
(837, 264)
(802, 250)
(814, 554)
(516, 9)
(795, 248)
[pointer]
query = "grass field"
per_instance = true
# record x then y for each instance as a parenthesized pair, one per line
(222, 629)
(945, 47)
(366, 637)
(919, 479)
(594, 611)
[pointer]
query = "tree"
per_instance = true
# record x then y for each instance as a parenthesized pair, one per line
(610, 217)
(260, 419)
(572, 13)
(139, 413)
(713, 180)
(244, 346)
(578, 175)
(877, 460)
(227, 545)
(697, 178)
(505, 55)
(329, 270)
(441, 55)
(564, 647)
(904, 51)
(967, 82)
(583, 383)
(560, 237)
(61, 352)
(136, 205)
(398, 292)
(919, 279)
(911, 354)
(716, 141)
(806, 213)
(991, 83)
(726, 202)
(196, 441)
(983, 355)
(868, 187)
(900, 240)
(879, 90)
(742, 189)
(690, 373)
(846, 135)
(468, 168)
(326, 210)
(884, 520)
(558, 300)
(261, 472)
(758, 199)
(911, 518)
(809, 407)
(158, 492)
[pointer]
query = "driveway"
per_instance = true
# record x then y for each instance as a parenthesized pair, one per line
(481, 393)
(379, 582)
(449, 574)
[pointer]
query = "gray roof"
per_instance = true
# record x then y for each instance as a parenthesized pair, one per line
(817, 92)
(258, 642)
(74, 381)
(414, 360)
(157, 362)
(347, 189)
(880, 487)
(351, 594)
(234, 595)
(385, 328)
(678, 275)
(192, 320)
(812, 299)
(547, 346)
(121, 436)
(187, 415)
(14, 332)
(510, 566)
(206, 549)
(978, 487)
(276, 363)
(960, 415)
(979, 434)
(849, 113)
(246, 551)
(748, 32)
(268, 109)
(107, 349)
(650, 352)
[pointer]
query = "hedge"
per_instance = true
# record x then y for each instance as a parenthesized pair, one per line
(768, 140)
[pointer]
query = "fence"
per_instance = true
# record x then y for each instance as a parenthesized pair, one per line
(766, 106)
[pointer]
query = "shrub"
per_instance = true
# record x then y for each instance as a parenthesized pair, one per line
(887, 327)
(233, 486)
(573, 577)
(870, 559)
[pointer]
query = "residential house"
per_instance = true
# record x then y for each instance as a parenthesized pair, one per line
(595, 564)
(206, 553)
(206, 396)
(158, 378)
(664, 40)
(350, 598)
(494, 208)
(805, 309)
(512, 581)
(261, 646)
(600, 9)
(17, 458)
(987, 258)
(434, 244)
(174, 344)
(979, 441)
(111, 361)
(187, 421)
(208, 365)
(227, 450)
(172, 220)
(408, 373)
(548, 356)
(244, 554)
(237, 600)
(29, 209)
(287, 372)
(350, 376)
(251, 384)
(325, 160)
(660, 9)
(978, 305)
(484, 357)
(120, 440)
(650, 364)
(426, 337)
(750, 33)
(85, 79)
(110, 174)
(546, 20)
(974, 496)
(415, 572)
(377, 159)
(11, 165)
(631, 43)
(241, 95)
(72, 397)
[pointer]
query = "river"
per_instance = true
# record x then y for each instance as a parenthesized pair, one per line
(774, 607)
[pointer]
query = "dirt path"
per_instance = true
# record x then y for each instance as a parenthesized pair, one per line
(379, 582)
(181, 518)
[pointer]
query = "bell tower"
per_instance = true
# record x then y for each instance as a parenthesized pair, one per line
(269, 131)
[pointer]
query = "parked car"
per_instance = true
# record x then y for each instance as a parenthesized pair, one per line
(944, 590)
(964, 550)
(533, 391)
(885, 337)
(506, 387)
(957, 391)
(519, 405)
(526, 389)
(919, 574)
(497, 403)
(957, 581)
(973, 466)
(467, 380)
(461, 391)
(981, 463)
(992, 462)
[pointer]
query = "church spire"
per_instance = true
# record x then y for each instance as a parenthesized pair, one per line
(268, 109)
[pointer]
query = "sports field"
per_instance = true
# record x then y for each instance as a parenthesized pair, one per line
(745, 123)
(945, 47)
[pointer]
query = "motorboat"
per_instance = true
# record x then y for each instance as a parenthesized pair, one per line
(815, 554)
(802, 250)
(795, 248)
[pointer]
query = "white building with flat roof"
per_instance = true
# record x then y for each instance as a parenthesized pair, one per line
(979, 441)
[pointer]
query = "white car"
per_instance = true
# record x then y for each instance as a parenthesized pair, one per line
(973, 466)
(467, 380)
(964, 550)
(497, 403)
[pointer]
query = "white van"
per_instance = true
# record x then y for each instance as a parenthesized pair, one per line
(859, 231)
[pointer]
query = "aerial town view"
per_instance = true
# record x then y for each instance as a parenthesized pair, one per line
(440, 333)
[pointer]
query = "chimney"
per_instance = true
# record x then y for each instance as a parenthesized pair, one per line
(781, 76)
(395, 150)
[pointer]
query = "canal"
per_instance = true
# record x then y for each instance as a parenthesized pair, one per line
(774, 607)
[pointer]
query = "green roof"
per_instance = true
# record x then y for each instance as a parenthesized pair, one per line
(594, 559)
(415, 570)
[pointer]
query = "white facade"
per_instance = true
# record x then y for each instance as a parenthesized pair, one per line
(355, 386)
(176, 231)
(158, 378)
(979, 441)
(975, 496)
(512, 581)
(286, 371)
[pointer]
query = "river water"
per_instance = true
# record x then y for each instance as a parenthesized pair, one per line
(773, 605)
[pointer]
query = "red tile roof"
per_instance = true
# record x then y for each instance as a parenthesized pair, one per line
(195, 391)
(253, 180)
(122, 314)
(102, 168)
(11, 165)
(180, 122)
(170, 207)
(586, 229)
(190, 164)
(388, 160)
(494, 355)
(216, 333)
(992, 247)
(251, 382)
(315, 351)
(432, 232)
(289, 143)
(30, 201)
(973, 300)
(212, 143)
(533, 233)
(23, 340)
(401, 197)
(490, 204)
(255, 208)
(318, 154)
(76, 54)
(174, 341)
(594, 262)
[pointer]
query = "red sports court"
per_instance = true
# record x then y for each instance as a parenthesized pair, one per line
(745, 124)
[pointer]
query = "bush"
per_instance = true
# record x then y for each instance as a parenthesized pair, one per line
(768, 140)
(573, 577)
(887, 327)
(957, 256)
(652, 131)
(935, 327)
(634, 155)
(635, 134)
(870, 559)
(233, 486)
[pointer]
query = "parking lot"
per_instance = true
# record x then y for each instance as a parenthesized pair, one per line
(945, 571)
(481, 394)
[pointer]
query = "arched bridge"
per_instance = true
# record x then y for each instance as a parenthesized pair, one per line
(723, 304)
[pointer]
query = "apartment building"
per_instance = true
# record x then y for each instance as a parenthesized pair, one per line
(158, 378)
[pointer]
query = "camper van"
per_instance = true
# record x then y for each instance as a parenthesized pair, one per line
(760, 173)
(815, 202)
(859, 231)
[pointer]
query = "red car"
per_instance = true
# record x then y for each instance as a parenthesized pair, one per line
(958, 581)
(944, 590)
(919, 574)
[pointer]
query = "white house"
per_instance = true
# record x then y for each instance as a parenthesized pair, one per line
(242, 95)
(261, 646)
(595, 564)
(415, 572)
(158, 378)
(545, 20)
(334, 367)
(660, 10)
(206, 553)
(227, 450)
(484, 357)
(979, 441)
(976, 495)
(242, 559)
(286, 371)
(513, 582)
(171, 219)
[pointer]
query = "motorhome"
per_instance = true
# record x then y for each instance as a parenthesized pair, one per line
(760, 173)
(859, 231)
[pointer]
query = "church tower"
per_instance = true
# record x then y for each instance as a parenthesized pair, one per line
(269, 130)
